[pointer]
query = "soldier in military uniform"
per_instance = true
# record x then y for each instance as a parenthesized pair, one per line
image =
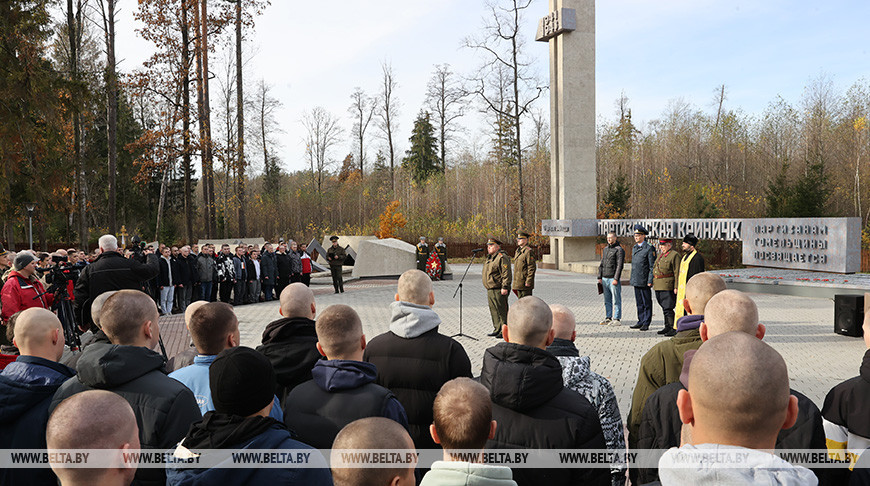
(666, 271)
(336, 255)
(524, 267)
(422, 254)
(643, 257)
(497, 281)
(441, 251)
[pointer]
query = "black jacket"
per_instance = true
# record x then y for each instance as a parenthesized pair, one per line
(166, 267)
(187, 271)
(660, 427)
(534, 411)
(110, 271)
(341, 392)
(164, 408)
(414, 369)
(612, 261)
(26, 388)
(291, 346)
(282, 262)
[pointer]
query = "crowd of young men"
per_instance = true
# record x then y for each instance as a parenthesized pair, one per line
(316, 382)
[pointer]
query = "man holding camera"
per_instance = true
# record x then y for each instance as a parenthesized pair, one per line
(111, 271)
(23, 289)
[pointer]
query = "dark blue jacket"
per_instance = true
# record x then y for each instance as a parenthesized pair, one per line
(26, 388)
(643, 258)
(340, 392)
(276, 438)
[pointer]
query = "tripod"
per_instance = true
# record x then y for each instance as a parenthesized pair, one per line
(459, 291)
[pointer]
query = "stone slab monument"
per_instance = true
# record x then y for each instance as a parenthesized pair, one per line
(570, 31)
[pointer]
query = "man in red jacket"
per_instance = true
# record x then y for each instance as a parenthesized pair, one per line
(23, 290)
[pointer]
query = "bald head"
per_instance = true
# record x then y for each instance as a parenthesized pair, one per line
(191, 308)
(739, 392)
(297, 300)
(97, 305)
(130, 318)
(38, 333)
(415, 287)
(462, 415)
(730, 310)
(530, 322)
(564, 322)
(366, 434)
(339, 332)
(74, 425)
(701, 288)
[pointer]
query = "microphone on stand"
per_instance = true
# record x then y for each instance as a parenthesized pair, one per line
(476, 250)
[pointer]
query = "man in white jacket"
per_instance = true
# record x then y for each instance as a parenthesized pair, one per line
(737, 402)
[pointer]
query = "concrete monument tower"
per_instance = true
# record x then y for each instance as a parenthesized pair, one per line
(570, 31)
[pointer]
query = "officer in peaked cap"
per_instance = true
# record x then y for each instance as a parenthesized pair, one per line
(497, 281)
(643, 257)
(524, 267)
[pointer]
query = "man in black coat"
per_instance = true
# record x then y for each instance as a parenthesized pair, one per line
(26, 388)
(660, 428)
(531, 406)
(290, 343)
(110, 271)
(282, 262)
(164, 408)
(413, 359)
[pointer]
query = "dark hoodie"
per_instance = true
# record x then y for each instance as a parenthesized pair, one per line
(291, 345)
(164, 407)
(534, 411)
(233, 433)
(26, 388)
(342, 391)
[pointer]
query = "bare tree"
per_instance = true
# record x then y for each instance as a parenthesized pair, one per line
(444, 97)
(75, 29)
(265, 105)
(323, 134)
(240, 123)
(108, 9)
(186, 163)
(362, 108)
(388, 110)
(200, 22)
(502, 45)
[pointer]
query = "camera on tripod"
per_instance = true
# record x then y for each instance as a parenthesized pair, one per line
(58, 275)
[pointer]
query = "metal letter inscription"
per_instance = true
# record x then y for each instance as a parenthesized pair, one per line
(561, 20)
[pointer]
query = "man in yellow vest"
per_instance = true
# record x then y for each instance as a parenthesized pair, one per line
(691, 264)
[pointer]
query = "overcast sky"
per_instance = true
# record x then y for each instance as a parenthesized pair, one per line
(315, 53)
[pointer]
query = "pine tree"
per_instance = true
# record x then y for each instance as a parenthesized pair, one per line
(615, 203)
(421, 160)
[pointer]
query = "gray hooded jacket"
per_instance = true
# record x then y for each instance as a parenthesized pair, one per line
(677, 467)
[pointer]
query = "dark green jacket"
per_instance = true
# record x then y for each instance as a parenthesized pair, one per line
(497, 271)
(336, 255)
(524, 269)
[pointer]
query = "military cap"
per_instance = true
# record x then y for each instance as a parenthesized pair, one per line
(493, 241)
(522, 234)
(422, 238)
(440, 238)
(640, 230)
(3, 250)
(665, 241)
(691, 239)
(333, 238)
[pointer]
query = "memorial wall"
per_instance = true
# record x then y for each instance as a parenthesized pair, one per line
(818, 244)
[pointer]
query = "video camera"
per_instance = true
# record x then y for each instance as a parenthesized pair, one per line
(60, 273)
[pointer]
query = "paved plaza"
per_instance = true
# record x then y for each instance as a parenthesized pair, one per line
(800, 328)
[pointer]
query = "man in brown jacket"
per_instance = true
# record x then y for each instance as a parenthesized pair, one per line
(524, 267)
(666, 271)
(497, 282)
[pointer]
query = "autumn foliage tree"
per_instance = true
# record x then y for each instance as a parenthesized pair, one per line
(390, 221)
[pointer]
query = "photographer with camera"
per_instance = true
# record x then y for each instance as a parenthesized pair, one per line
(111, 271)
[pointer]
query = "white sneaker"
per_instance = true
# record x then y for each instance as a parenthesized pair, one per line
(605, 322)
(615, 322)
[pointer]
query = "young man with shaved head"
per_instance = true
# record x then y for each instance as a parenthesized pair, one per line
(290, 343)
(660, 428)
(26, 388)
(663, 363)
(186, 357)
(732, 410)
(532, 407)
(463, 422)
(128, 366)
(74, 425)
(577, 375)
(372, 433)
(413, 359)
(343, 387)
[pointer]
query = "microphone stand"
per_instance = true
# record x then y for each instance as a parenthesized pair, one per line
(459, 290)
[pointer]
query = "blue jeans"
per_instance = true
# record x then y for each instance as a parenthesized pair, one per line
(205, 291)
(612, 298)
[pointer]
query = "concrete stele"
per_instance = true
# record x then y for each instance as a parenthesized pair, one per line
(384, 258)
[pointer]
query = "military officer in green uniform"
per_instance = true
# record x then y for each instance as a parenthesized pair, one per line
(666, 271)
(336, 256)
(441, 250)
(497, 281)
(524, 267)
(422, 255)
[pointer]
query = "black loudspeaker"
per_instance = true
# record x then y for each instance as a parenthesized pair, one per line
(848, 315)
